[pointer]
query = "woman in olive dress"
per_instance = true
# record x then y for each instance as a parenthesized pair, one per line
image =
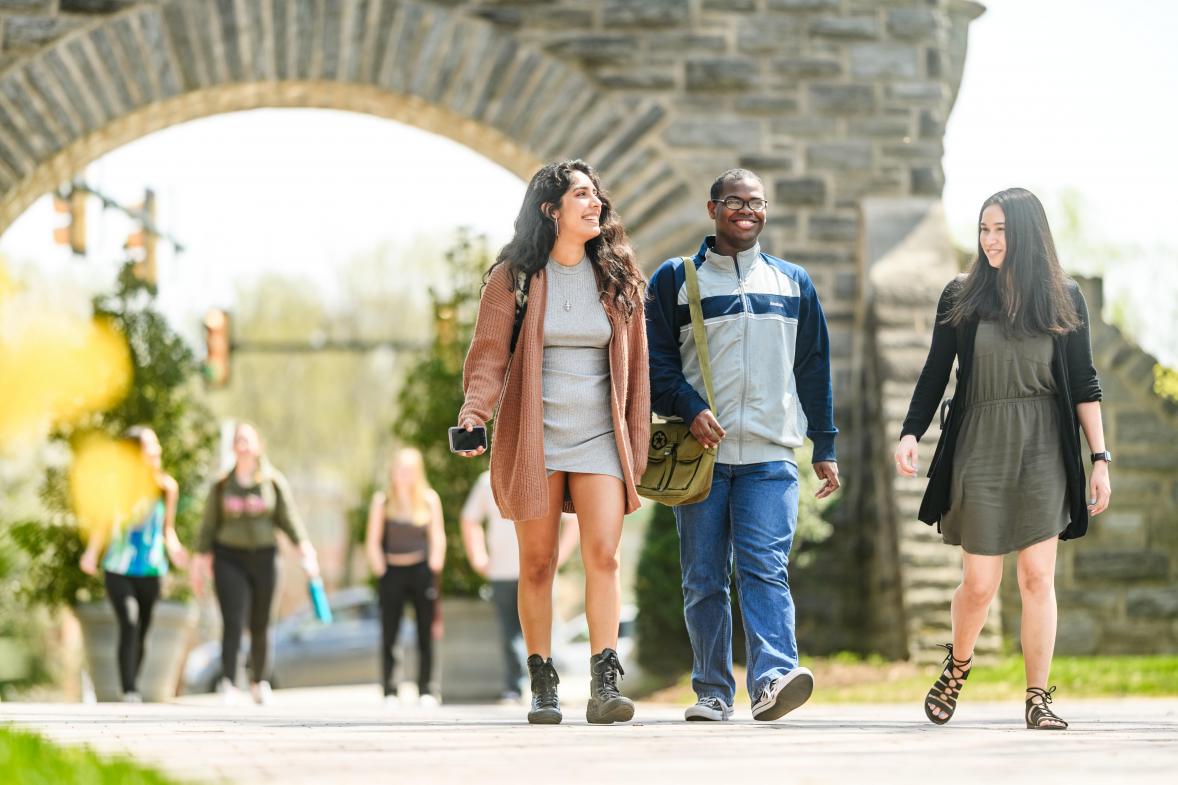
(1007, 475)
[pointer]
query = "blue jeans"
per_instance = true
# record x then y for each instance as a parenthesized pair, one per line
(505, 595)
(751, 513)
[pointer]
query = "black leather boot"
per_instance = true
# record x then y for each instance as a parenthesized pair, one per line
(545, 702)
(606, 703)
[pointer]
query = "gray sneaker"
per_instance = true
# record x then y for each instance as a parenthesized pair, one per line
(708, 710)
(784, 694)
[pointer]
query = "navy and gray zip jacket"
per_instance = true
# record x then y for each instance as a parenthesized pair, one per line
(769, 348)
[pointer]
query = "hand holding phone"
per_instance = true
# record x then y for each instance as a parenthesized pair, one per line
(468, 439)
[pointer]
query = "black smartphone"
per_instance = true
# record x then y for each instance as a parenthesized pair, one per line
(462, 440)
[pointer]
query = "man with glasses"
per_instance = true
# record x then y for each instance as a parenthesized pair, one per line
(770, 362)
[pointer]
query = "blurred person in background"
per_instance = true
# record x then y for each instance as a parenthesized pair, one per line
(238, 545)
(1007, 475)
(135, 558)
(493, 553)
(406, 548)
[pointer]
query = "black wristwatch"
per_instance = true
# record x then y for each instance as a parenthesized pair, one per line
(1105, 456)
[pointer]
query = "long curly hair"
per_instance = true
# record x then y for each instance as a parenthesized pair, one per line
(618, 278)
(1028, 293)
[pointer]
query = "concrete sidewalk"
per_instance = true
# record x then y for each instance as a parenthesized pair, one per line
(344, 735)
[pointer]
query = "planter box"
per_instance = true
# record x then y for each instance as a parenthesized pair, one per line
(469, 665)
(167, 645)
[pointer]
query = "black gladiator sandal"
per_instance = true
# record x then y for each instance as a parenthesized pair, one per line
(1039, 716)
(947, 688)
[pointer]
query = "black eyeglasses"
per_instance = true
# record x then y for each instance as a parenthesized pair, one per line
(736, 203)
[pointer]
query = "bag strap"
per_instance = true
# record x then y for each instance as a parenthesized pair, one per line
(697, 328)
(522, 282)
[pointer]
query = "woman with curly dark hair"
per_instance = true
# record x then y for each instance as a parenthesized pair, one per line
(1007, 475)
(560, 345)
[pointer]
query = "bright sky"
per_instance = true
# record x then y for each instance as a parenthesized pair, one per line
(1058, 95)
(286, 190)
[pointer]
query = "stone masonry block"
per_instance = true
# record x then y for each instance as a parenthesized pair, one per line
(767, 34)
(803, 5)
(892, 61)
(1122, 528)
(839, 156)
(1078, 633)
(26, 6)
(1137, 427)
(911, 23)
(596, 48)
(833, 227)
(842, 99)
(646, 13)
(767, 162)
(1121, 565)
(917, 92)
(1153, 603)
(800, 67)
(845, 27)
(94, 6)
(800, 191)
(34, 30)
(714, 132)
(721, 73)
(772, 104)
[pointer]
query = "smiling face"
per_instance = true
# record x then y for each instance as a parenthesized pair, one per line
(992, 235)
(737, 230)
(578, 215)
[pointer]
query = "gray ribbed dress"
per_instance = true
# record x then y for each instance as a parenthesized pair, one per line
(1009, 487)
(578, 426)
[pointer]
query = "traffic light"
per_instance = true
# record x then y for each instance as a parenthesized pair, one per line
(73, 233)
(217, 347)
(140, 245)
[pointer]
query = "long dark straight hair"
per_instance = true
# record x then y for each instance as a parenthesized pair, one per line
(618, 277)
(1028, 294)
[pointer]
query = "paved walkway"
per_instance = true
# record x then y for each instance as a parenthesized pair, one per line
(343, 735)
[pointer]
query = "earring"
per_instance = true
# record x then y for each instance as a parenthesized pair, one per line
(556, 225)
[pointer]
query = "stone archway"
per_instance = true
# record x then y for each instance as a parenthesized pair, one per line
(111, 78)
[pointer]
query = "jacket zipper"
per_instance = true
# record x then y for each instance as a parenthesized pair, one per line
(745, 355)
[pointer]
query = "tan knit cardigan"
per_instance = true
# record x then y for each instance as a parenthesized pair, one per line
(519, 480)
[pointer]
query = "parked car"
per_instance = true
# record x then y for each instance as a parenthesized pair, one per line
(306, 652)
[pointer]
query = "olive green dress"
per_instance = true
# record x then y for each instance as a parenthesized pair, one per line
(1009, 488)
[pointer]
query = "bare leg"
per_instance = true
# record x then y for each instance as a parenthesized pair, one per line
(537, 567)
(981, 576)
(1036, 583)
(601, 503)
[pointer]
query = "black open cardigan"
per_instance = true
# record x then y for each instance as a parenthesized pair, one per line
(1075, 379)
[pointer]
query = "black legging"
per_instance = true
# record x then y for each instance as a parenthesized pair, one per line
(416, 583)
(133, 599)
(244, 577)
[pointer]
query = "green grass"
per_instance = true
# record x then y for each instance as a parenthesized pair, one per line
(28, 759)
(847, 678)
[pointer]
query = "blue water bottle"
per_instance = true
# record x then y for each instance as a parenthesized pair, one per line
(319, 600)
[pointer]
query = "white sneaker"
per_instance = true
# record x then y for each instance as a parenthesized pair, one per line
(263, 695)
(228, 692)
(708, 709)
(132, 697)
(784, 694)
(391, 701)
(427, 701)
